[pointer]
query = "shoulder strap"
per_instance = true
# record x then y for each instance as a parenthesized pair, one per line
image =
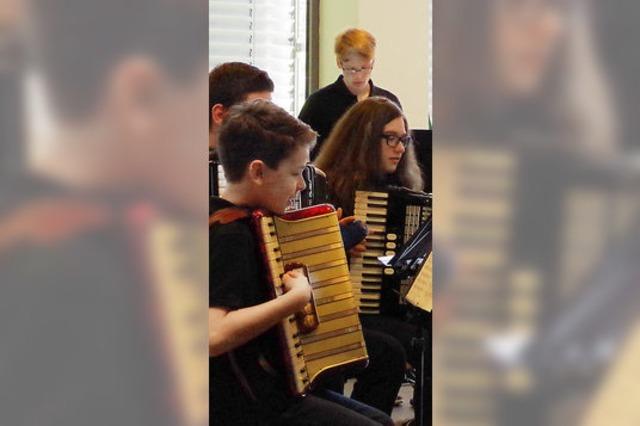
(228, 215)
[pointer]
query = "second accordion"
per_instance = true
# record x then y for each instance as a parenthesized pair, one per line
(392, 217)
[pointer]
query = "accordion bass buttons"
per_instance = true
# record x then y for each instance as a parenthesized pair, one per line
(310, 322)
(388, 271)
(308, 319)
(392, 237)
(391, 246)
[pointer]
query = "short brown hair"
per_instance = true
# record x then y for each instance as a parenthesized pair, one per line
(231, 82)
(259, 130)
(355, 40)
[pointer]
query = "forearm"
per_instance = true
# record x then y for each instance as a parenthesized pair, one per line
(231, 329)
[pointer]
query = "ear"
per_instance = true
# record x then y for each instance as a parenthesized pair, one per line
(218, 112)
(338, 63)
(256, 172)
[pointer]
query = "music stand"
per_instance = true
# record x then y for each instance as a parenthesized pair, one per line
(415, 259)
(410, 257)
(422, 343)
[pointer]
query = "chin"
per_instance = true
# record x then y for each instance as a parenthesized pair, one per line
(278, 210)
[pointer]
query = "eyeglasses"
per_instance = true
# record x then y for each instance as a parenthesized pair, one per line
(394, 140)
(353, 70)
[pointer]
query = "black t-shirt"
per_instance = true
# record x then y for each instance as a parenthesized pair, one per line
(323, 109)
(237, 280)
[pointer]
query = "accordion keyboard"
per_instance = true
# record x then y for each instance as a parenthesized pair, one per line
(316, 243)
(217, 179)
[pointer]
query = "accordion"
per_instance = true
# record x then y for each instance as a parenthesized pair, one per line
(217, 180)
(315, 191)
(327, 336)
(392, 218)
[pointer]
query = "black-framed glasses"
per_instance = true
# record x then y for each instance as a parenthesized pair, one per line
(354, 70)
(393, 140)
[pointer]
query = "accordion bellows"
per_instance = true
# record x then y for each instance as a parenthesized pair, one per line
(311, 237)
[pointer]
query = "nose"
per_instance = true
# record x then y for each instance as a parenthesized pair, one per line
(400, 148)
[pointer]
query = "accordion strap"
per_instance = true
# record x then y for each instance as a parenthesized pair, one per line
(240, 376)
(228, 215)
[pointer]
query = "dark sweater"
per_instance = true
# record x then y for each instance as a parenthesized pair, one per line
(323, 109)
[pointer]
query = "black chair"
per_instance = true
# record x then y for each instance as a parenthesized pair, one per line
(423, 145)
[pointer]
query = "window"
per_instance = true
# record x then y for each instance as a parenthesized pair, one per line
(270, 34)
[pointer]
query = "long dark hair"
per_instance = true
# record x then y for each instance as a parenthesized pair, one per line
(351, 155)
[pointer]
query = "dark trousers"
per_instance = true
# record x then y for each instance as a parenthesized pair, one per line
(328, 408)
(322, 408)
(402, 331)
(405, 333)
(379, 383)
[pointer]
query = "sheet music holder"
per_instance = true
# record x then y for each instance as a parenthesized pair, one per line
(409, 259)
(415, 259)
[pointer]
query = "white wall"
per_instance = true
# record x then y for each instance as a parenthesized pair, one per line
(402, 30)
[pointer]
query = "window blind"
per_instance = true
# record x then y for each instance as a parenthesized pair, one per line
(270, 34)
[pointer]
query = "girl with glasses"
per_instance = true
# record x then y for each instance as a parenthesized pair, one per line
(370, 148)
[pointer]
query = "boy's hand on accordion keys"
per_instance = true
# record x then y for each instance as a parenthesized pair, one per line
(297, 288)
